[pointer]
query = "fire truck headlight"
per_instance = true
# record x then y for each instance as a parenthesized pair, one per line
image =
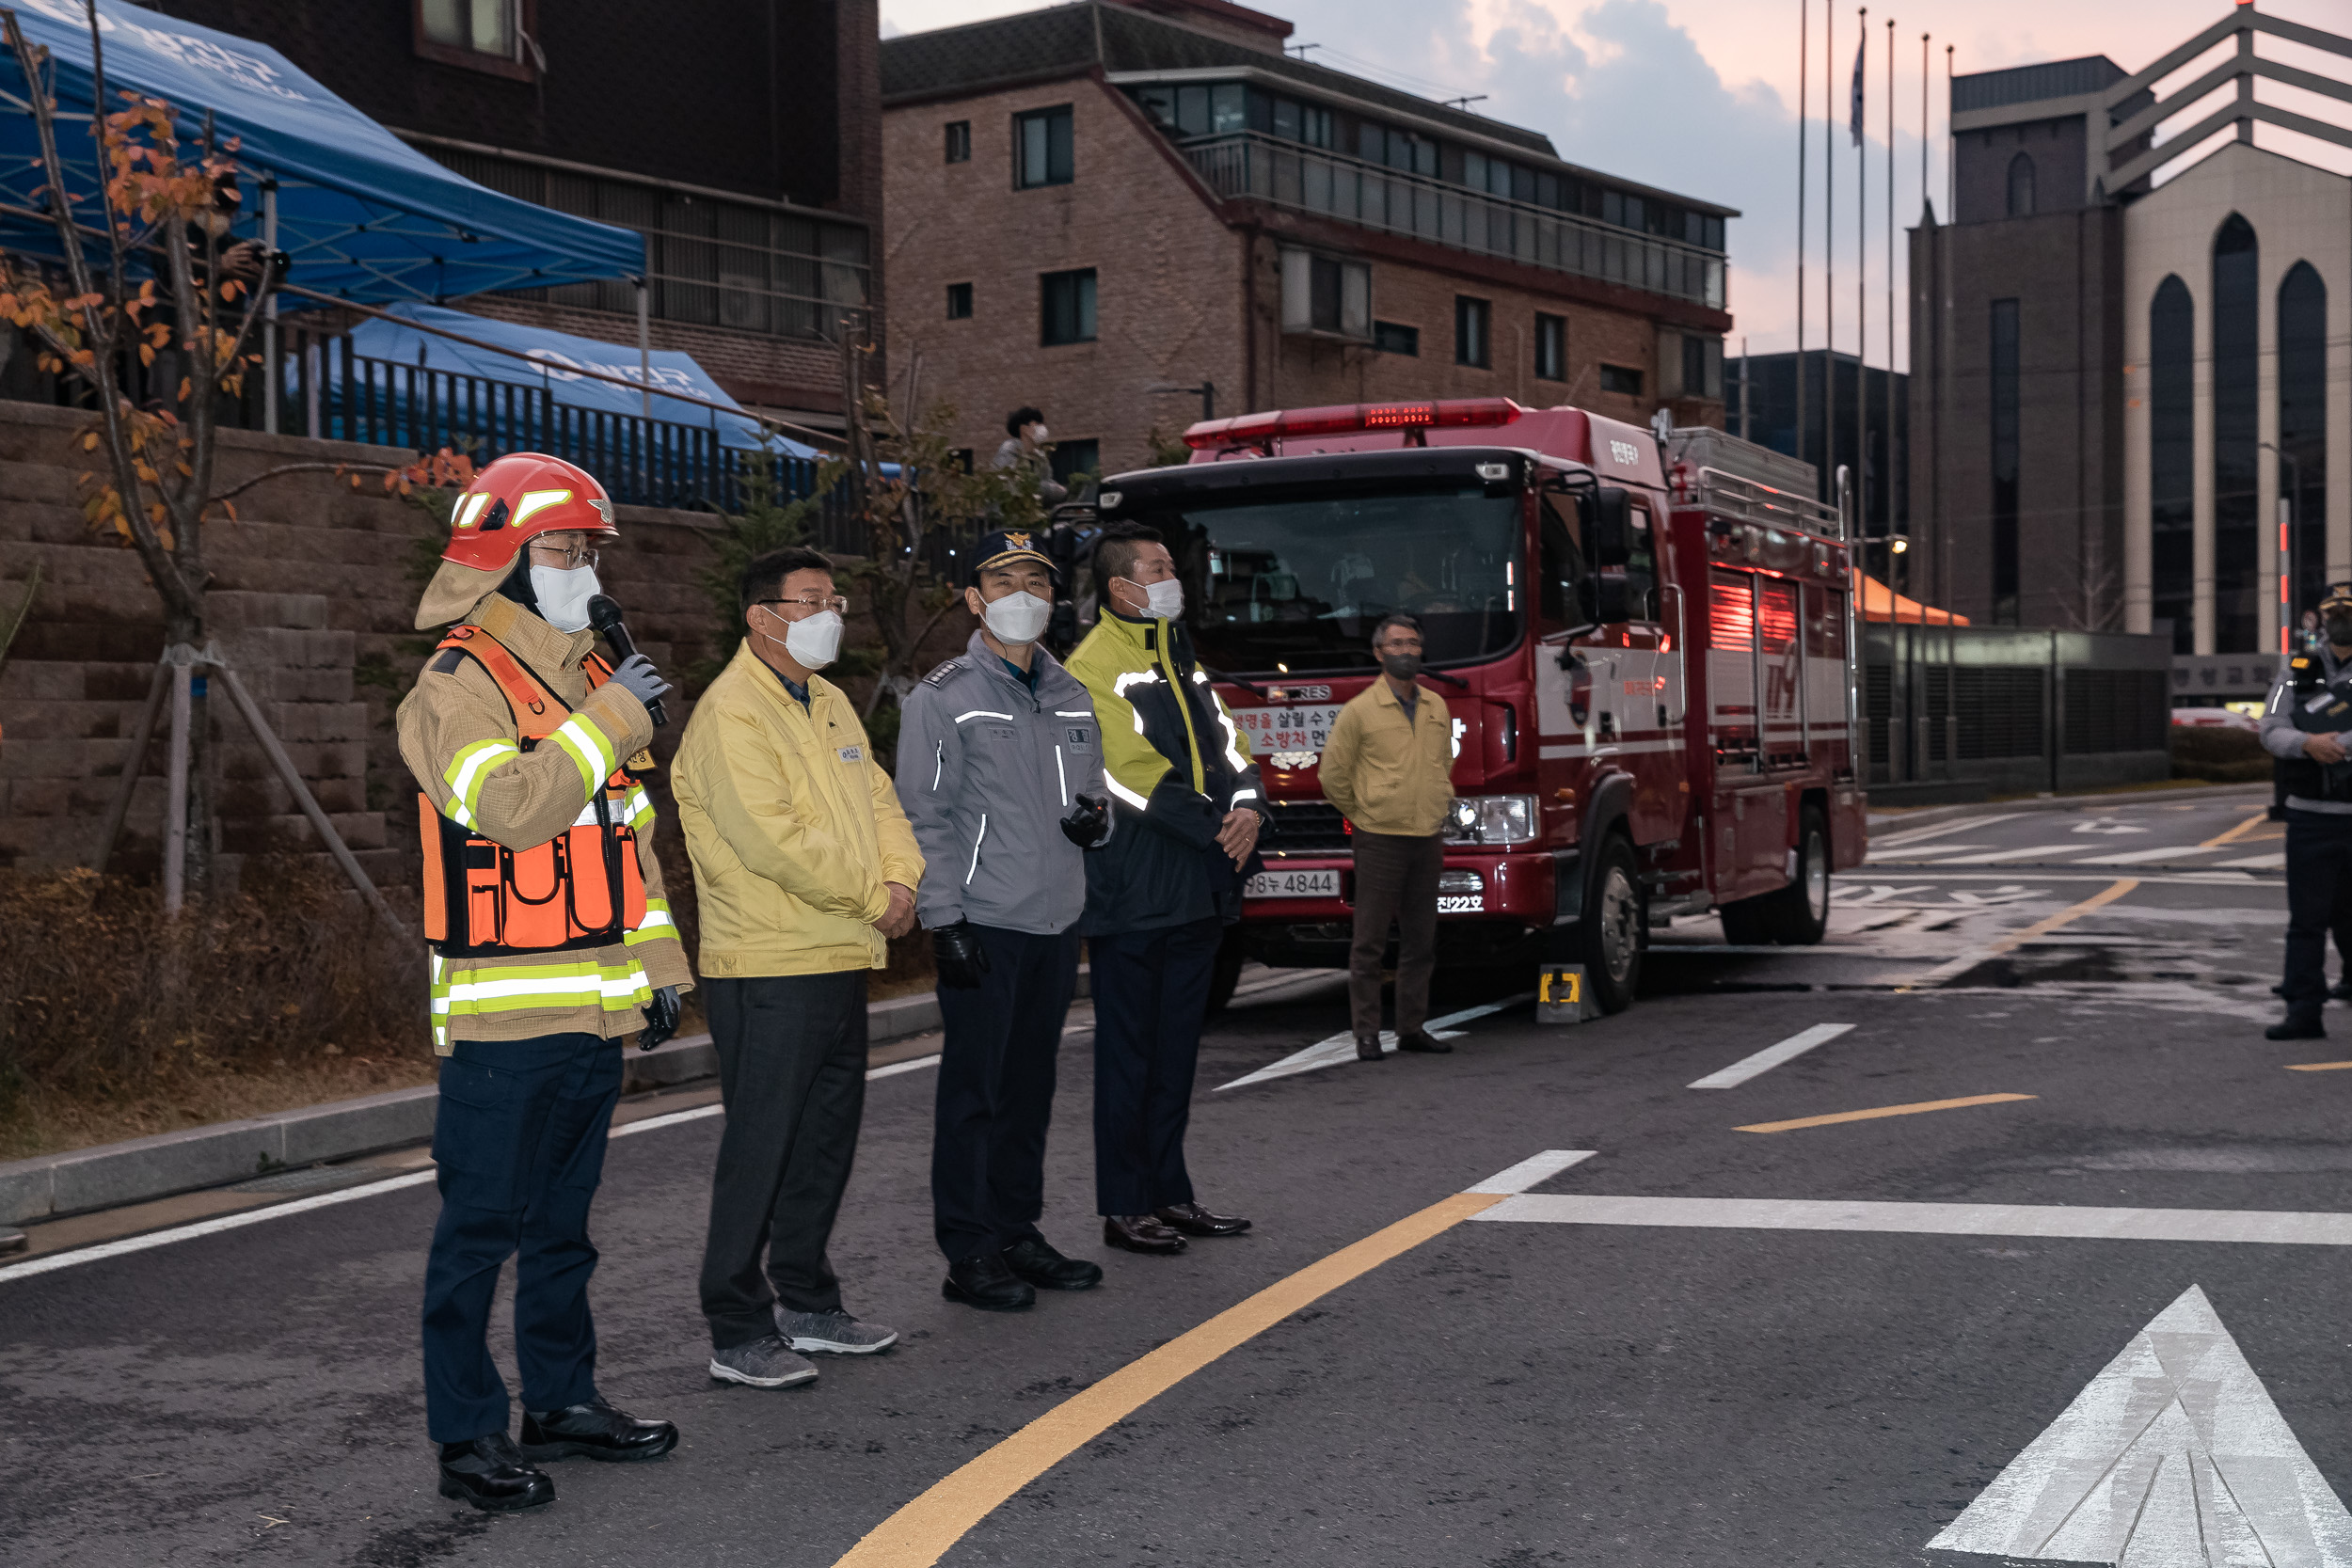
(1491, 819)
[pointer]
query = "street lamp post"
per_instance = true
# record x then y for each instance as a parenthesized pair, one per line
(1900, 654)
(2287, 543)
(1206, 392)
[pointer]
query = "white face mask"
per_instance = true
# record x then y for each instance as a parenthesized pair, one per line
(1036, 434)
(813, 641)
(1018, 617)
(564, 594)
(1163, 601)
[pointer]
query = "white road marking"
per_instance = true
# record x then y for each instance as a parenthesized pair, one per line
(2135, 857)
(2108, 825)
(2174, 1454)
(1898, 853)
(917, 1065)
(1534, 1171)
(1772, 1057)
(2047, 851)
(1342, 1047)
(1920, 836)
(2051, 1221)
(2266, 863)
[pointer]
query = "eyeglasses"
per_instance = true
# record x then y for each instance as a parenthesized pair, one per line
(809, 606)
(572, 556)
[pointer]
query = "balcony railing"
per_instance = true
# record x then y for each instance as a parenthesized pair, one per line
(1260, 167)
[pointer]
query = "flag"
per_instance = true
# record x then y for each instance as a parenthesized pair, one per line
(1860, 49)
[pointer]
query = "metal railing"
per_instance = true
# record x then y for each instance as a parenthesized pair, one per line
(1746, 499)
(1260, 167)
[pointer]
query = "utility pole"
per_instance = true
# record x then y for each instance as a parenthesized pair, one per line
(1805, 80)
(1829, 258)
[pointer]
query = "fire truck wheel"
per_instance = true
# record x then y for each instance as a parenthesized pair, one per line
(1610, 932)
(1795, 915)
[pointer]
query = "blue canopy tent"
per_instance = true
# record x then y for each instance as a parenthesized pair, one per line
(364, 216)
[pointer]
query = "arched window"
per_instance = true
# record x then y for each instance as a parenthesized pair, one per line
(2303, 425)
(2236, 438)
(2172, 461)
(2021, 185)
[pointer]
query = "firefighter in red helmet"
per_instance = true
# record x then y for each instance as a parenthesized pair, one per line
(550, 943)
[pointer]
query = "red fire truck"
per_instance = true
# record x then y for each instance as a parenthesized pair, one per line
(1650, 676)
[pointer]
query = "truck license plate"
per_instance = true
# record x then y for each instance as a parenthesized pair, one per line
(1293, 884)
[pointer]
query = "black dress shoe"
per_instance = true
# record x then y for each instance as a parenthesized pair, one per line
(1369, 1050)
(2341, 991)
(1033, 1259)
(1141, 1233)
(492, 1473)
(594, 1431)
(1428, 1045)
(1193, 1220)
(2297, 1026)
(984, 1281)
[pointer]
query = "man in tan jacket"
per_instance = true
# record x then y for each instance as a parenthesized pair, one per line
(552, 942)
(804, 867)
(1389, 765)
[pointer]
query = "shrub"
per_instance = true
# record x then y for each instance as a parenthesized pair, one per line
(2220, 754)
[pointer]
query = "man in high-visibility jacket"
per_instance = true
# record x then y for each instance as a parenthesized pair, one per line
(1187, 807)
(552, 942)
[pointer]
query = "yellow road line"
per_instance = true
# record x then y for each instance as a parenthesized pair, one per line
(2237, 833)
(2067, 916)
(922, 1532)
(2319, 1067)
(1882, 1111)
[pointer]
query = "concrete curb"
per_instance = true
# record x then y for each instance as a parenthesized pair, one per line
(1929, 816)
(111, 1175)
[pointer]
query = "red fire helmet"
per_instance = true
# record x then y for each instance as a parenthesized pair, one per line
(522, 494)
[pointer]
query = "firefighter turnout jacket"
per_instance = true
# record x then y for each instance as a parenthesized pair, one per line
(544, 901)
(1174, 763)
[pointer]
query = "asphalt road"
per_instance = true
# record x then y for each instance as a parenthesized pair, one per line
(1696, 1386)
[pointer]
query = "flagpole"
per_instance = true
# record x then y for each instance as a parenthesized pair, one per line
(1862, 280)
(1829, 256)
(1805, 80)
(1887, 480)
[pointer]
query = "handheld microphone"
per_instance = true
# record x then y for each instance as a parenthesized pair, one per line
(605, 616)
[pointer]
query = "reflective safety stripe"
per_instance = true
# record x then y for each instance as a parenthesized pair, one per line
(589, 751)
(1110, 782)
(533, 987)
(983, 713)
(468, 771)
(637, 809)
(939, 762)
(655, 925)
(976, 849)
(1061, 776)
(1073, 713)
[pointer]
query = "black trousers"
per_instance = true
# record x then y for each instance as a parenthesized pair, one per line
(518, 1148)
(996, 1090)
(1151, 989)
(792, 1075)
(2319, 899)
(1396, 879)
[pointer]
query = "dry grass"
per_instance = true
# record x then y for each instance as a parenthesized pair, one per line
(115, 1022)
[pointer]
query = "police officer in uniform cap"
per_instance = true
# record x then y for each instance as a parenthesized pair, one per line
(2308, 724)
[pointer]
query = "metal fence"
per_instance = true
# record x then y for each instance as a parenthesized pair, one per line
(1262, 167)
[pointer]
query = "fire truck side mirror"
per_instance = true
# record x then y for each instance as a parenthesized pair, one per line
(1606, 513)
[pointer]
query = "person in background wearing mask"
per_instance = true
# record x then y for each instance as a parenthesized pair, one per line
(550, 942)
(2306, 724)
(1187, 808)
(805, 867)
(1001, 775)
(1025, 448)
(1388, 767)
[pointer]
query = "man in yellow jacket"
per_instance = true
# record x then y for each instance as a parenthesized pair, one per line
(804, 867)
(1388, 767)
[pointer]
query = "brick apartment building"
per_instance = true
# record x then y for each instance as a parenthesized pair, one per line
(1102, 208)
(742, 137)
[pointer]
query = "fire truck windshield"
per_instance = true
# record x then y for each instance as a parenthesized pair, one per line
(1297, 585)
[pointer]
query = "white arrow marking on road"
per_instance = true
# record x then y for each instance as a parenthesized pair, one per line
(2173, 1457)
(1342, 1047)
(2108, 825)
(2138, 857)
(1772, 1057)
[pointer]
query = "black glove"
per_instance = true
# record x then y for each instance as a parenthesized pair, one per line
(661, 1018)
(1085, 825)
(957, 953)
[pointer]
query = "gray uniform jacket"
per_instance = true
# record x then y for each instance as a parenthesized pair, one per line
(987, 770)
(2281, 738)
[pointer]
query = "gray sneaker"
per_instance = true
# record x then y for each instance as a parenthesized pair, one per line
(836, 1332)
(762, 1363)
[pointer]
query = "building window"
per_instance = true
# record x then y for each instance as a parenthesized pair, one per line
(2021, 187)
(480, 35)
(1073, 459)
(2005, 394)
(2172, 462)
(959, 141)
(1473, 332)
(959, 302)
(2303, 429)
(1621, 379)
(1066, 308)
(1302, 122)
(1390, 338)
(2237, 438)
(1551, 348)
(1325, 296)
(1041, 145)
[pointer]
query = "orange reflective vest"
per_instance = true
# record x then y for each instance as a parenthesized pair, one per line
(583, 888)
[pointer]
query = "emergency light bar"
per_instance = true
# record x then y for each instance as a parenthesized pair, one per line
(1349, 419)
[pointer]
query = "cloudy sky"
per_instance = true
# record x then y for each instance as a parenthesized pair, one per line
(1700, 96)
